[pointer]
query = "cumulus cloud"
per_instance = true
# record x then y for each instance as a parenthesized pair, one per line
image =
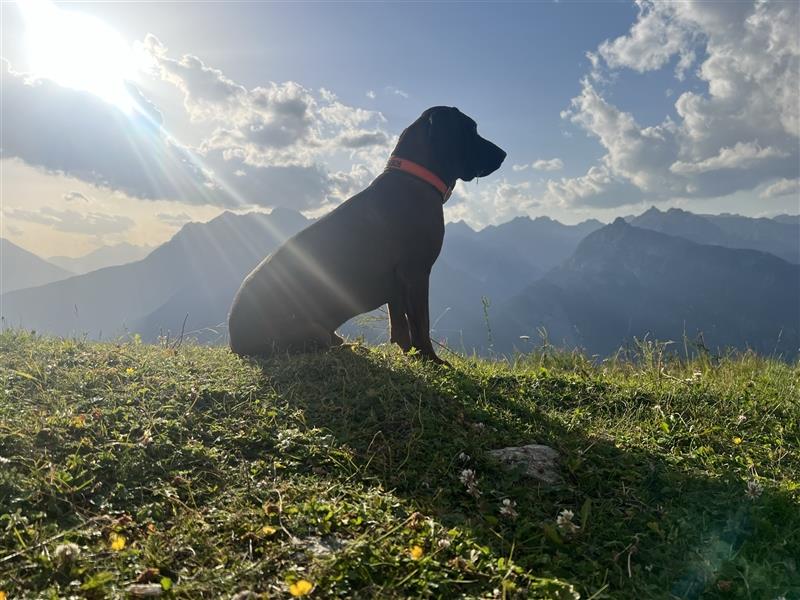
(746, 123)
(553, 164)
(499, 201)
(740, 156)
(783, 187)
(268, 145)
(599, 188)
(277, 138)
(72, 221)
(273, 124)
(76, 133)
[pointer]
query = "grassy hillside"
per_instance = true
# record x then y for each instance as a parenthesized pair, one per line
(343, 475)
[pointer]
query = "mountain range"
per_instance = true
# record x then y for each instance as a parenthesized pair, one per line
(105, 256)
(778, 236)
(662, 274)
(625, 282)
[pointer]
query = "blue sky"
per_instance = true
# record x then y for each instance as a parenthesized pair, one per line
(622, 104)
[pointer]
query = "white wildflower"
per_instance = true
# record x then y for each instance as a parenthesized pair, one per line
(741, 419)
(66, 554)
(509, 509)
(470, 482)
(443, 543)
(565, 523)
(463, 457)
(754, 489)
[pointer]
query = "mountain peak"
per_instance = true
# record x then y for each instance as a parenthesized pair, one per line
(619, 222)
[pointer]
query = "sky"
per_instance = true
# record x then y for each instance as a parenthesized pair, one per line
(121, 121)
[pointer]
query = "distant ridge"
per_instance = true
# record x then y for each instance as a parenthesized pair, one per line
(590, 285)
(105, 256)
(624, 281)
(780, 237)
(22, 269)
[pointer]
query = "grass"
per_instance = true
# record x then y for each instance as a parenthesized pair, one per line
(340, 475)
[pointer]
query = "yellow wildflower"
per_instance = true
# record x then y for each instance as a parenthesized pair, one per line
(416, 552)
(737, 440)
(301, 587)
(117, 541)
(268, 530)
(130, 371)
(2, 595)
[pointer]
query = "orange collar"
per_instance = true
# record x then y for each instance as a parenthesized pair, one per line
(402, 164)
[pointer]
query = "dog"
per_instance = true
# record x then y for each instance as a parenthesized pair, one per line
(376, 248)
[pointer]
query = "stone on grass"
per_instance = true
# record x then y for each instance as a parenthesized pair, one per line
(145, 590)
(537, 461)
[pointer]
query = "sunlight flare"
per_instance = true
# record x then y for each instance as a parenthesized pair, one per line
(79, 51)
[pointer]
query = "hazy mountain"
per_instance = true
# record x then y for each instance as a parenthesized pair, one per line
(20, 268)
(105, 256)
(505, 258)
(790, 219)
(732, 231)
(620, 281)
(196, 272)
(625, 281)
(494, 263)
(199, 270)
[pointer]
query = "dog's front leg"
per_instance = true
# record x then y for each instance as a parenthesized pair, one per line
(417, 285)
(398, 322)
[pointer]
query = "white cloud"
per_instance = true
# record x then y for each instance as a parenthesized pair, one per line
(371, 94)
(553, 164)
(75, 197)
(269, 145)
(598, 188)
(520, 167)
(484, 204)
(653, 40)
(747, 123)
(740, 156)
(783, 187)
(390, 89)
(275, 125)
(76, 133)
(72, 221)
(174, 219)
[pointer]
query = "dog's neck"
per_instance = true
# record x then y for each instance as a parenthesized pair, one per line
(397, 163)
(412, 146)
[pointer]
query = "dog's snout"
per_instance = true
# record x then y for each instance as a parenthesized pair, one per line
(492, 156)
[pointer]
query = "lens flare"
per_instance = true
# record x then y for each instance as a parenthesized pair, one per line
(78, 51)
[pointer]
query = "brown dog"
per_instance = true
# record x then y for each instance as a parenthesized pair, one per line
(378, 247)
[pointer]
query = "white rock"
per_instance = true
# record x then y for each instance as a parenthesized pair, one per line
(537, 461)
(145, 590)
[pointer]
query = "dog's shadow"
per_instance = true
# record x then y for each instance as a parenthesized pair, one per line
(652, 529)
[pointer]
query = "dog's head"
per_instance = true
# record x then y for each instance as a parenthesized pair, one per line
(447, 141)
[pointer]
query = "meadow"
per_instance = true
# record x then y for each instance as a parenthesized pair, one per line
(186, 472)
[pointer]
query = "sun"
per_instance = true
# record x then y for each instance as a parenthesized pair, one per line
(78, 51)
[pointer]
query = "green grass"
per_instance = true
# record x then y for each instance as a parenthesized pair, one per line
(227, 475)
